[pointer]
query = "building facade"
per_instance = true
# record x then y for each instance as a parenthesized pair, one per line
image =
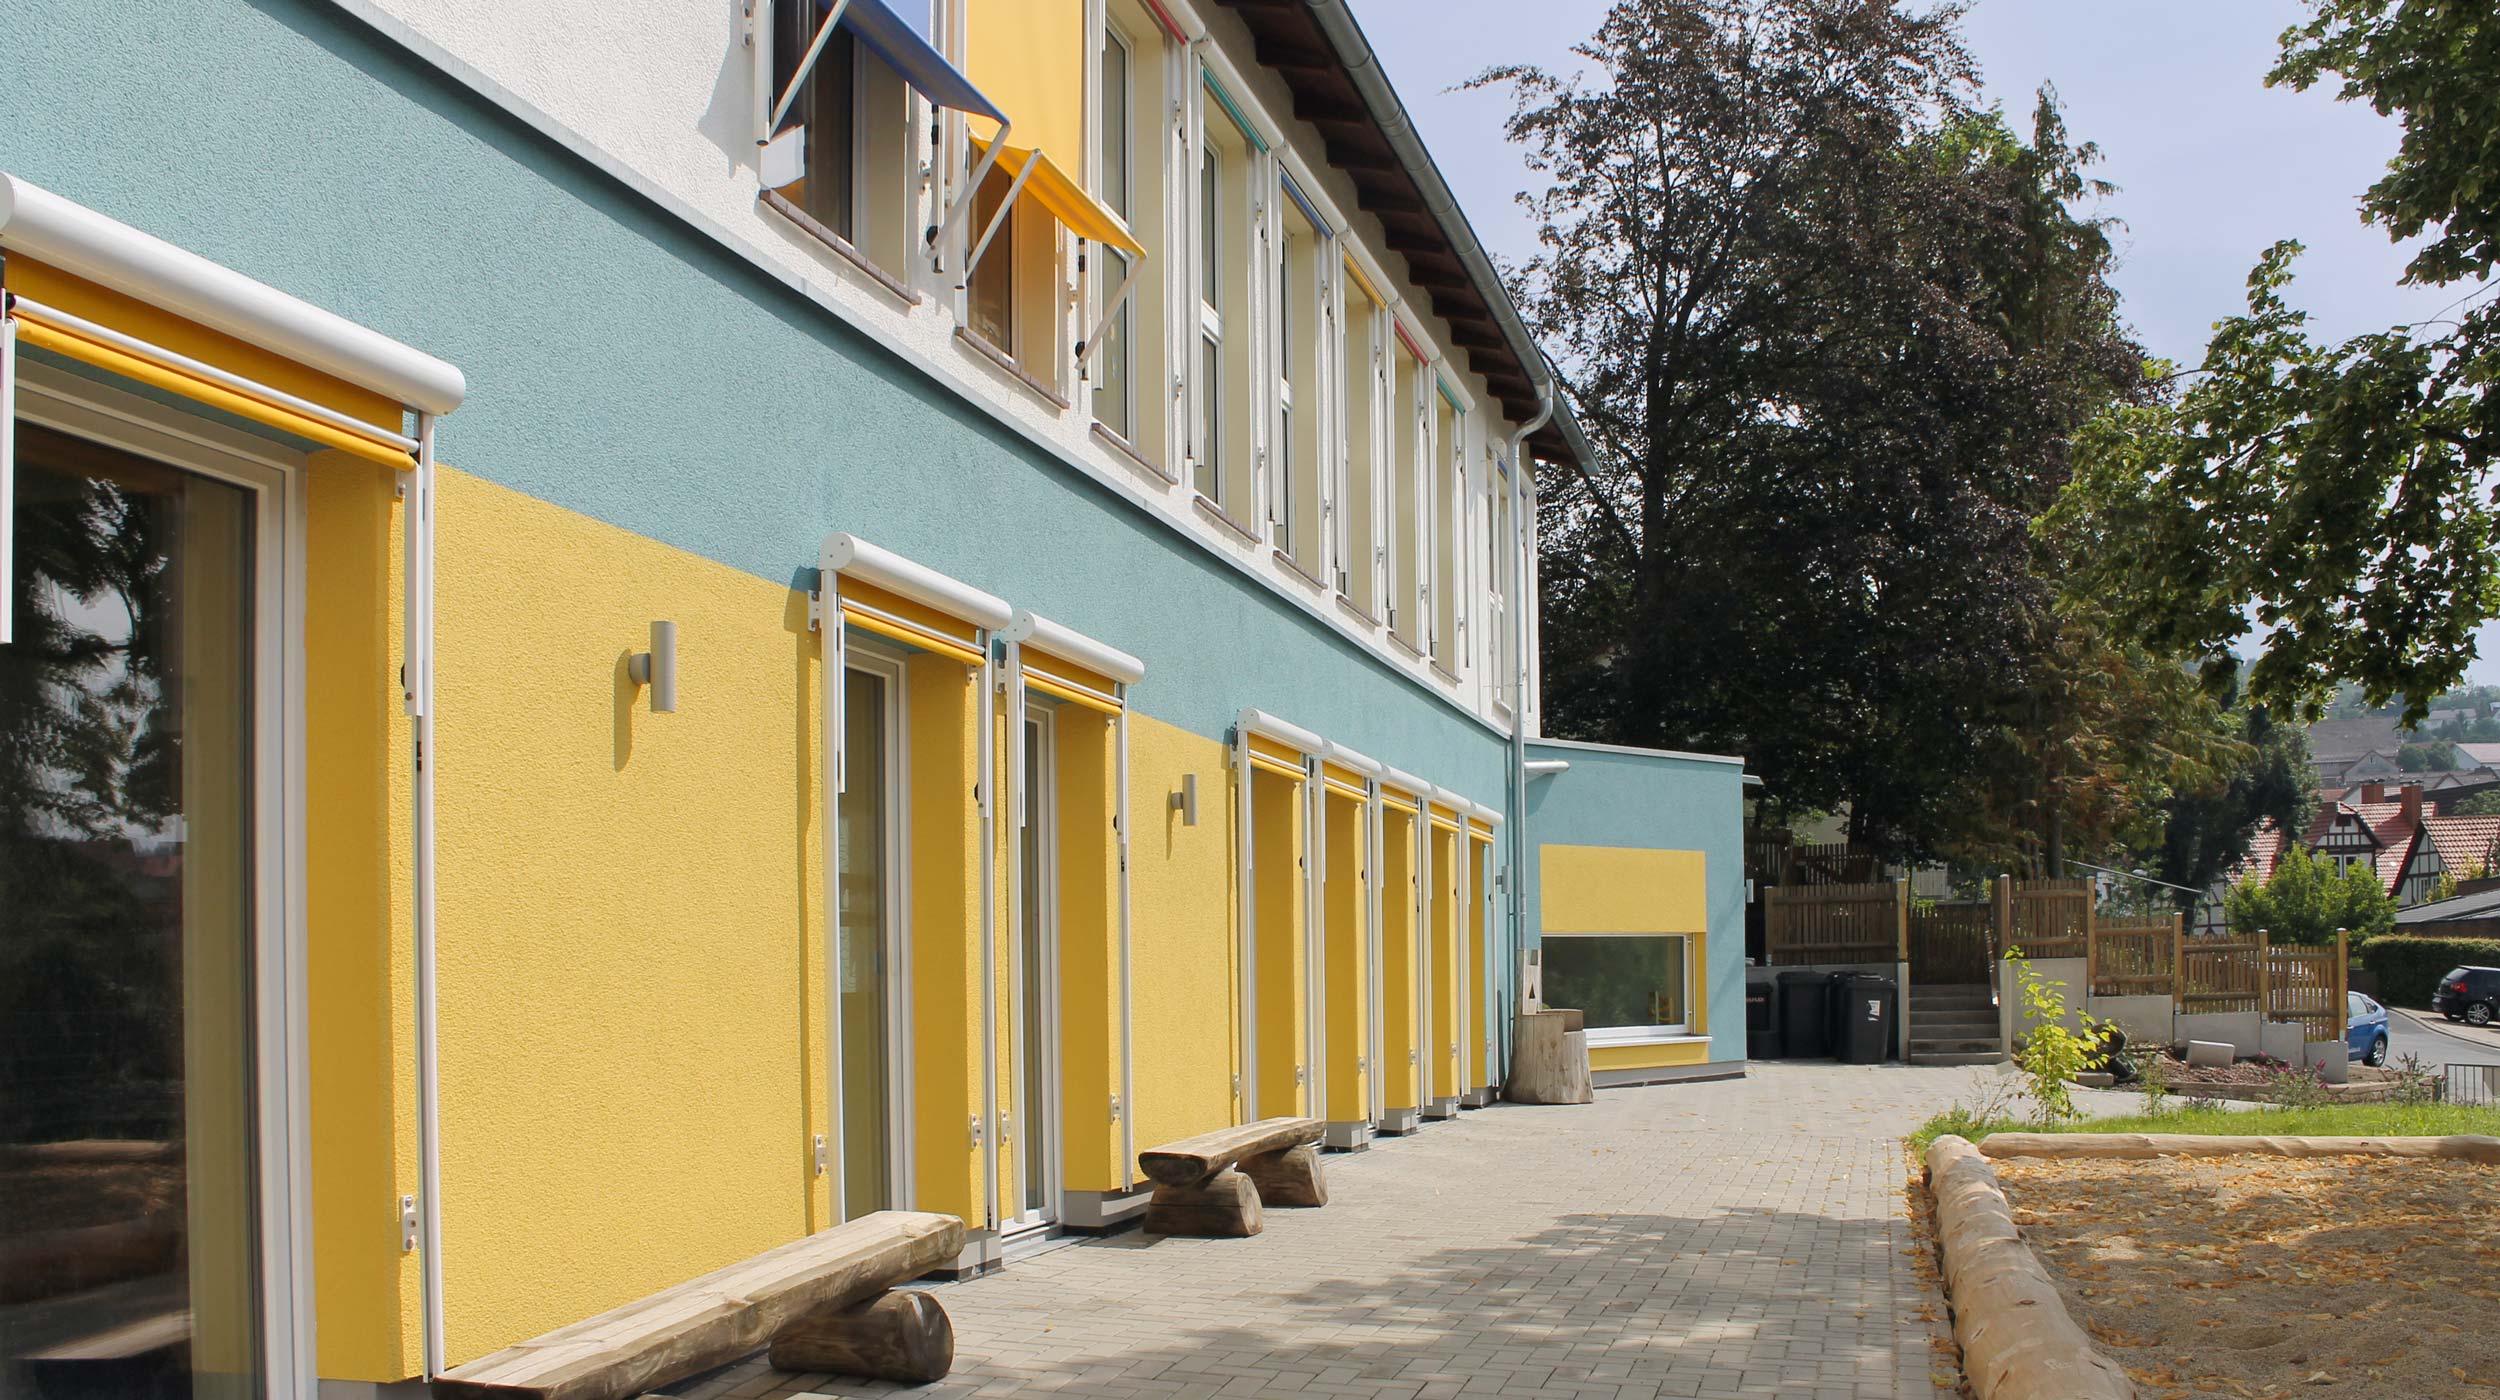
(638, 630)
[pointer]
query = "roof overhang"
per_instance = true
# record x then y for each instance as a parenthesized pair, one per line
(1340, 90)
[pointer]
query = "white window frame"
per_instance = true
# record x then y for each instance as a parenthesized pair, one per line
(1644, 1035)
(282, 1132)
(1123, 320)
(1043, 1119)
(886, 663)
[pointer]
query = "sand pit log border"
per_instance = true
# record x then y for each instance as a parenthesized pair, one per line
(2137, 1146)
(2018, 1341)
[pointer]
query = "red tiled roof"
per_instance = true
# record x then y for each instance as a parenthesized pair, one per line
(2463, 842)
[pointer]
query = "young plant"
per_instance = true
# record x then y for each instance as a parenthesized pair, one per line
(2052, 1052)
(2152, 1077)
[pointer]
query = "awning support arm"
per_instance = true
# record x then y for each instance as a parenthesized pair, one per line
(963, 202)
(998, 220)
(1085, 348)
(8, 472)
(807, 65)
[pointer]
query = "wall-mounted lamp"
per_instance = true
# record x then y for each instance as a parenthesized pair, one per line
(1185, 801)
(657, 668)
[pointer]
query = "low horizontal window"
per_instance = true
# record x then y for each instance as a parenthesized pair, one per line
(1632, 982)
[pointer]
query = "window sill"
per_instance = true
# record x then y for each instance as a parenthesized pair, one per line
(1004, 361)
(1128, 452)
(1217, 513)
(1355, 609)
(1447, 675)
(807, 224)
(1405, 646)
(1644, 1035)
(1286, 561)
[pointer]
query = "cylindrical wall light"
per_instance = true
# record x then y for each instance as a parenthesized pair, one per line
(657, 668)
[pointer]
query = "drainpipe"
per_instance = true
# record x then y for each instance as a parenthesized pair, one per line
(1520, 603)
(417, 686)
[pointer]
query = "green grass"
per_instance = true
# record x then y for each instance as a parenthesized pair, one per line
(2333, 1120)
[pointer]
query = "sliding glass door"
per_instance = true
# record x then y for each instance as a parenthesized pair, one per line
(869, 907)
(131, 910)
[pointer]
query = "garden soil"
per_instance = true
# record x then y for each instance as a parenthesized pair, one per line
(2331, 1277)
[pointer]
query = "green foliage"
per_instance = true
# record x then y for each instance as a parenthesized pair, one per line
(2306, 900)
(2052, 1052)
(1829, 329)
(2481, 804)
(2445, 887)
(2338, 495)
(2424, 1119)
(2205, 831)
(2408, 966)
(2426, 756)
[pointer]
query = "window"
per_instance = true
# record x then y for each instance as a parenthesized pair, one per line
(857, 169)
(1626, 986)
(1499, 646)
(1209, 474)
(994, 280)
(1356, 546)
(1406, 516)
(1446, 512)
(1293, 505)
(1114, 372)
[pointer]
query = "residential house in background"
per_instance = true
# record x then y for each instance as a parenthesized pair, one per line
(2393, 833)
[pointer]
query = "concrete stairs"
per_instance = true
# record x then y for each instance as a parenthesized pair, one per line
(1954, 1026)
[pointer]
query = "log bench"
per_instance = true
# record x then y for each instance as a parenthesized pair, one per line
(1212, 1186)
(823, 1303)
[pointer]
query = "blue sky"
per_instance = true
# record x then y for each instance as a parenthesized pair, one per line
(2211, 165)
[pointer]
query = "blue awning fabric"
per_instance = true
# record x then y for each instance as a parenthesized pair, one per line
(904, 46)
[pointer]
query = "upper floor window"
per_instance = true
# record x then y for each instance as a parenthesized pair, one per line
(1220, 377)
(1114, 371)
(1294, 507)
(1363, 401)
(1445, 508)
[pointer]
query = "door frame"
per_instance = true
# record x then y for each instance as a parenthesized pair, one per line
(281, 1110)
(1037, 1125)
(887, 666)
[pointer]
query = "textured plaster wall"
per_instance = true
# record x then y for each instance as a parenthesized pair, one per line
(1658, 802)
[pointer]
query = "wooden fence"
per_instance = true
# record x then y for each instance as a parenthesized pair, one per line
(1960, 943)
(1865, 923)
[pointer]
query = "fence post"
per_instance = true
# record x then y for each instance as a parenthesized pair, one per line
(2265, 990)
(2178, 965)
(2091, 950)
(2343, 1002)
(1901, 915)
(2004, 902)
(1771, 930)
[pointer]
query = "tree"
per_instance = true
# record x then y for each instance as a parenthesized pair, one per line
(2339, 494)
(2307, 899)
(2481, 804)
(1829, 330)
(2205, 833)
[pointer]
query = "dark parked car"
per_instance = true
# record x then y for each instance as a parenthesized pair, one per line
(2469, 994)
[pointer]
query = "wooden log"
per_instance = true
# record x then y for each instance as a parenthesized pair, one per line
(1225, 1208)
(1194, 1161)
(1551, 1061)
(1288, 1178)
(712, 1320)
(903, 1336)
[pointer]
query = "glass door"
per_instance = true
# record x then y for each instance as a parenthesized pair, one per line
(1035, 982)
(130, 949)
(866, 1013)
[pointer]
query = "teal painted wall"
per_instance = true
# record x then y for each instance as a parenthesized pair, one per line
(622, 365)
(1657, 802)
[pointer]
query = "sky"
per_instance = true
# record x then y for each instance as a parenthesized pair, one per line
(2211, 165)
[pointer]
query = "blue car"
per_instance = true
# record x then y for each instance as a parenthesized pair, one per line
(2367, 1040)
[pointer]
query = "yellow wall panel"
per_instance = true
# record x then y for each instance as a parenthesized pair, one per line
(1400, 1044)
(1276, 805)
(1028, 58)
(1089, 948)
(1441, 1047)
(941, 699)
(360, 953)
(1622, 889)
(626, 904)
(1181, 898)
(1605, 1057)
(1348, 962)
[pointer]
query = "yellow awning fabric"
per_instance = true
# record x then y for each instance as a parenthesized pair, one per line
(1082, 214)
(85, 300)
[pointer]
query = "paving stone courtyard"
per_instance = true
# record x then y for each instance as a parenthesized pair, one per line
(1739, 1238)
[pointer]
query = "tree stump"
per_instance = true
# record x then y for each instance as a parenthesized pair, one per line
(1223, 1207)
(1550, 1063)
(902, 1336)
(1288, 1178)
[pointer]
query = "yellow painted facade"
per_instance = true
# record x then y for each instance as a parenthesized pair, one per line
(1089, 952)
(1400, 1045)
(1276, 812)
(1028, 57)
(1346, 957)
(1441, 1046)
(1614, 1057)
(1622, 889)
(1187, 997)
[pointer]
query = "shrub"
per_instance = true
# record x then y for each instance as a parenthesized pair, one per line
(2306, 899)
(2052, 1052)
(2408, 967)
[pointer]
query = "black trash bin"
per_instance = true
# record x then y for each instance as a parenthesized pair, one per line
(1864, 1004)
(1761, 1020)
(1805, 1014)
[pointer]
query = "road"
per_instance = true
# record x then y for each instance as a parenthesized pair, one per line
(2440, 1042)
